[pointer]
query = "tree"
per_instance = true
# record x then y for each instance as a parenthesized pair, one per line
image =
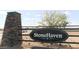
(54, 19)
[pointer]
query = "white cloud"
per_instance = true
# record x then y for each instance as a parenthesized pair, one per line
(67, 12)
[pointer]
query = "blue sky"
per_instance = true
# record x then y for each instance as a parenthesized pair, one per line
(32, 17)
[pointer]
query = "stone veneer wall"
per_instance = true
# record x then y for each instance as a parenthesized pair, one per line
(11, 33)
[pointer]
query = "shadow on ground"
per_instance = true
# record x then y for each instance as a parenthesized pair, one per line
(36, 47)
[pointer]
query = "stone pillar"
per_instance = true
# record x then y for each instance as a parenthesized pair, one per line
(11, 38)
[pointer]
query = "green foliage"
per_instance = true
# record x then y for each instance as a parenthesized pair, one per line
(54, 19)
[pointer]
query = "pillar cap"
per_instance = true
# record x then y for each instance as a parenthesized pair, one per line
(13, 13)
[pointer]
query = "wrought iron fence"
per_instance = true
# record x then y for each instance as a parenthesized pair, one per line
(69, 28)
